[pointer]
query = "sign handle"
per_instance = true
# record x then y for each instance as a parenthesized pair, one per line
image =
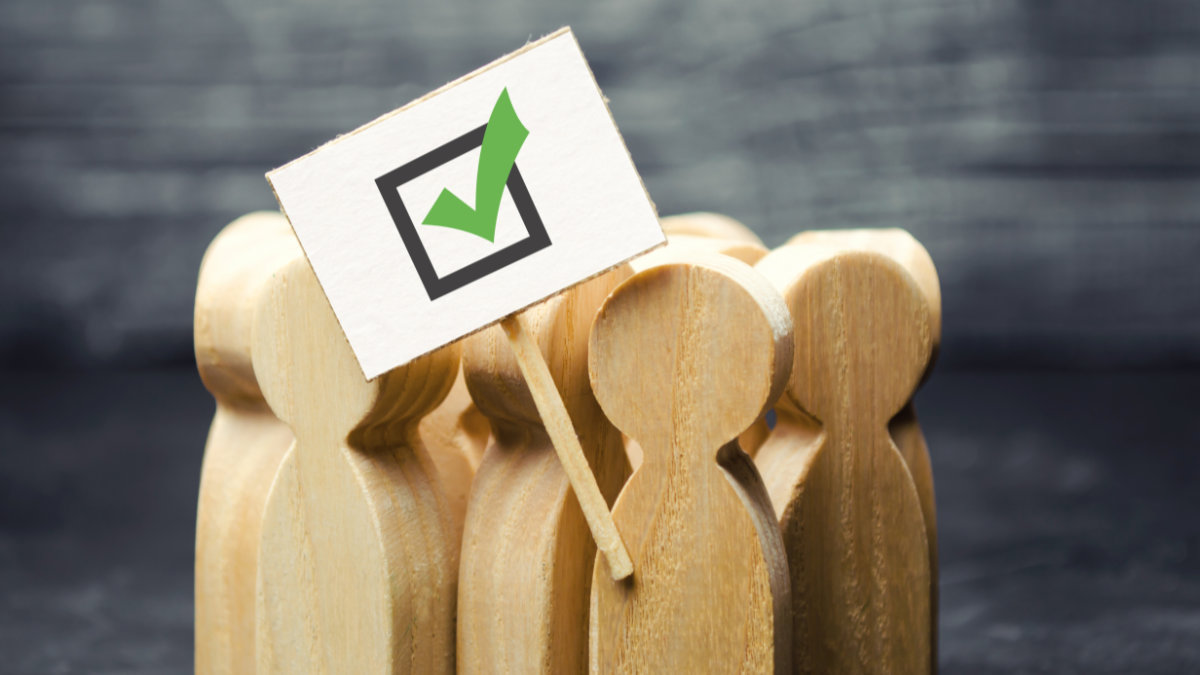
(566, 443)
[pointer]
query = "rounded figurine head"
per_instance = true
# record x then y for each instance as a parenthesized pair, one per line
(862, 325)
(690, 350)
(307, 370)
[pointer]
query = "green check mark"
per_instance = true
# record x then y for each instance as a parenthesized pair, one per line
(502, 140)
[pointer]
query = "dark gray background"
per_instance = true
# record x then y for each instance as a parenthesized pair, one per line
(1047, 153)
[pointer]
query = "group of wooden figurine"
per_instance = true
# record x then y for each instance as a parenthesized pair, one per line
(747, 415)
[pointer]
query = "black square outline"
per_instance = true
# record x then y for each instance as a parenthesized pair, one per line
(389, 184)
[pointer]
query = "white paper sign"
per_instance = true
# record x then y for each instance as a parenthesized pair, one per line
(488, 195)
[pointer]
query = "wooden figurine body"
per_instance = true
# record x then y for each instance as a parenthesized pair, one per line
(847, 505)
(359, 548)
(905, 428)
(709, 591)
(527, 553)
(246, 442)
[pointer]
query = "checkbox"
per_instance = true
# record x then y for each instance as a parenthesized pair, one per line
(438, 285)
(456, 208)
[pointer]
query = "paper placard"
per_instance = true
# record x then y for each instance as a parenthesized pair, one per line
(405, 267)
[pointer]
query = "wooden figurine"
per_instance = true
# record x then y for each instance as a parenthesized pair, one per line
(905, 429)
(246, 442)
(359, 548)
(847, 505)
(709, 226)
(527, 554)
(709, 591)
(680, 246)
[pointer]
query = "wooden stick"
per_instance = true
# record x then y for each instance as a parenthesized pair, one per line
(558, 425)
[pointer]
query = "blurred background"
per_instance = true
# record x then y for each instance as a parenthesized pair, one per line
(1047, 153)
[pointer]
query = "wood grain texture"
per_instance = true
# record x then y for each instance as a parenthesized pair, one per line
(527, 557)
(905, 429)
(455, 434)
(710, 587)
(899, 245)
(359, 552)
(246, 442)
(847, 504)
(693, 234)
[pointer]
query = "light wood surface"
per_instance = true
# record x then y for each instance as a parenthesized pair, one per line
(680, 246)
(455, 434)
(359, 550)
(710, 589)
(847, 504)
(458, 425)
(899, 245)
(527, 553)
(709, 226)
(694, 234)
(905, 429)
(245, 443)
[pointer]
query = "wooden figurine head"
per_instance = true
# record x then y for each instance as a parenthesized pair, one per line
(899, 245)
(682, 247)
(709, 226)
(863, 330)
(310, 377)
(560, 326)
(690, 323)
(235, 268)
